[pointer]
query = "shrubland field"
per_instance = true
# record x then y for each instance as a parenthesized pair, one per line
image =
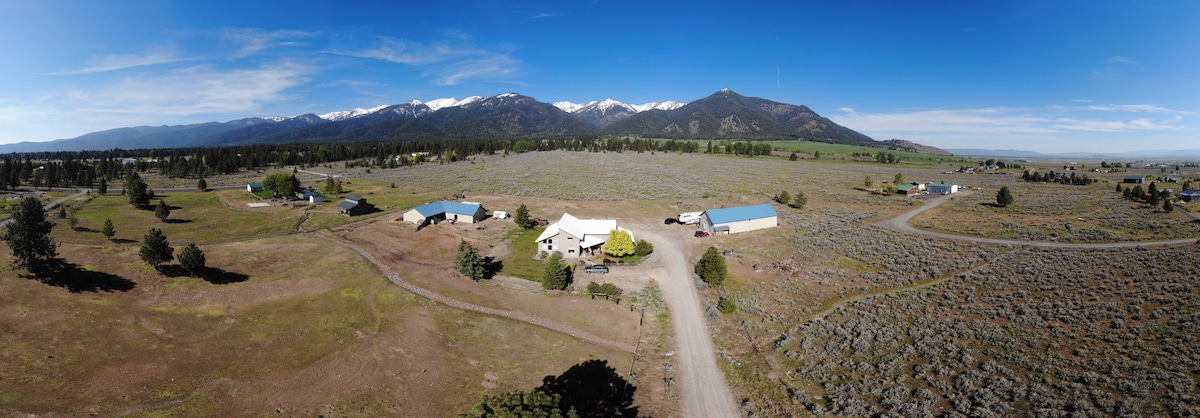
(836, 315)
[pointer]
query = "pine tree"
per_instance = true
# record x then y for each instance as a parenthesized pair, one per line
(711, 267)
(799, 201)
(1152, 195)
(191, 258)
(555, 275)
(521, 217)
(156, 251)
(1004, 197)
(103, 186)
(468, 262)
(783, 197)
(643, 248)
(108, 230)
(139, 192)
(161, 211)
(1168, 207)
(793, 157)
(201, 185)
(28, 235)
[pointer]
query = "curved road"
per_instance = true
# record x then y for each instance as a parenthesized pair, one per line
(900, 223)
(704, 392)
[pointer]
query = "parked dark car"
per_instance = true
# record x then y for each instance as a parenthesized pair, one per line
(701, 234)
(596, 268)
(540, 221)
(669, 221)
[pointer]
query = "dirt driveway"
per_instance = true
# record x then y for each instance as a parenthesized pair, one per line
(704, 392)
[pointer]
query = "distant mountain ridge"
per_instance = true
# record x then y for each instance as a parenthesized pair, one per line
(722, 115)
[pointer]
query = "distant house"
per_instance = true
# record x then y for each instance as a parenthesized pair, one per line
(739, 219)
(129, 161)
(468, 212)
(310, 194)
(1189, 195)
(1134, 179)
(354, 206)
(940, 188)
(254, 187)
(910, 189)
(572, 236)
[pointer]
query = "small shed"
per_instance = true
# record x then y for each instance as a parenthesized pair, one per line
(254, 187)
(1134, 179)
(739, 219)
(354, 206)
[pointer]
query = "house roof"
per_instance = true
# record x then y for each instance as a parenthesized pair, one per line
(587, 230)
(255, 185)
(435, 208)
(1189, 193)
(743, 213)
(346, 204)
(1134, 178)
(932, 185)
(353, 198)
(906, 186)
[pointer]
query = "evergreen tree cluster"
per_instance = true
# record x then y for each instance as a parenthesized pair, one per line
(469, 262)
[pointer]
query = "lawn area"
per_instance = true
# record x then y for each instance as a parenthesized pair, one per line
(520, 262)
(198, 217)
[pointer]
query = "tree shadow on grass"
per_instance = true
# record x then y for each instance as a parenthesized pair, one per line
(58, 272)
(593, 389)
(123, 241)
(209, 274)
(491, 267)
(177, 221)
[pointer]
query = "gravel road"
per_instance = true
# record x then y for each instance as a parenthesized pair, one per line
(703, 391)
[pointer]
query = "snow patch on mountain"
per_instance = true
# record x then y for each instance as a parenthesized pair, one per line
(663, 105)
(349, 114)
(451, 102)
(572, 107)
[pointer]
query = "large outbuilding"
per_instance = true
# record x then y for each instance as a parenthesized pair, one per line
(354, 206)
(468, 212)
(572, 237)
(939, 188)
(739, 219)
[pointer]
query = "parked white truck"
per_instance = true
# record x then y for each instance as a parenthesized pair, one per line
(690, 218)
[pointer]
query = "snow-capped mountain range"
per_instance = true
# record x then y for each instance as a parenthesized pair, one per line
(603, 107)
(724, 114)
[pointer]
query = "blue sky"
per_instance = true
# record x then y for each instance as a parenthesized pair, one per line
(1051, 76)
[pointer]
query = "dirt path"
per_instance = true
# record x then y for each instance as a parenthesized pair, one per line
(900, 223)
(514, 315)
(704, 391)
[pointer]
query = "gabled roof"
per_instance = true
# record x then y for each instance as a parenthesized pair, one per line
(346, 204)
(353, 198)
(584, 229)
(435, 208)
(1189, 192)
(742, 213)
(256, 185)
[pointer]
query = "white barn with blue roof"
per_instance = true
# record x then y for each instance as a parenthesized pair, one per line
(739, 219)
(449, 211)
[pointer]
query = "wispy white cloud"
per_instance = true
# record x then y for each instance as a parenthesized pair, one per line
(545, 15)
(250, 41)
(449, 62)
(1002, 127)
(99, 64)
(194, 90)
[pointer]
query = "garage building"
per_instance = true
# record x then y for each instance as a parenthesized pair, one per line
(739, 219)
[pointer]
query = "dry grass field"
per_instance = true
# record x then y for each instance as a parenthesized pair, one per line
(837, 316)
